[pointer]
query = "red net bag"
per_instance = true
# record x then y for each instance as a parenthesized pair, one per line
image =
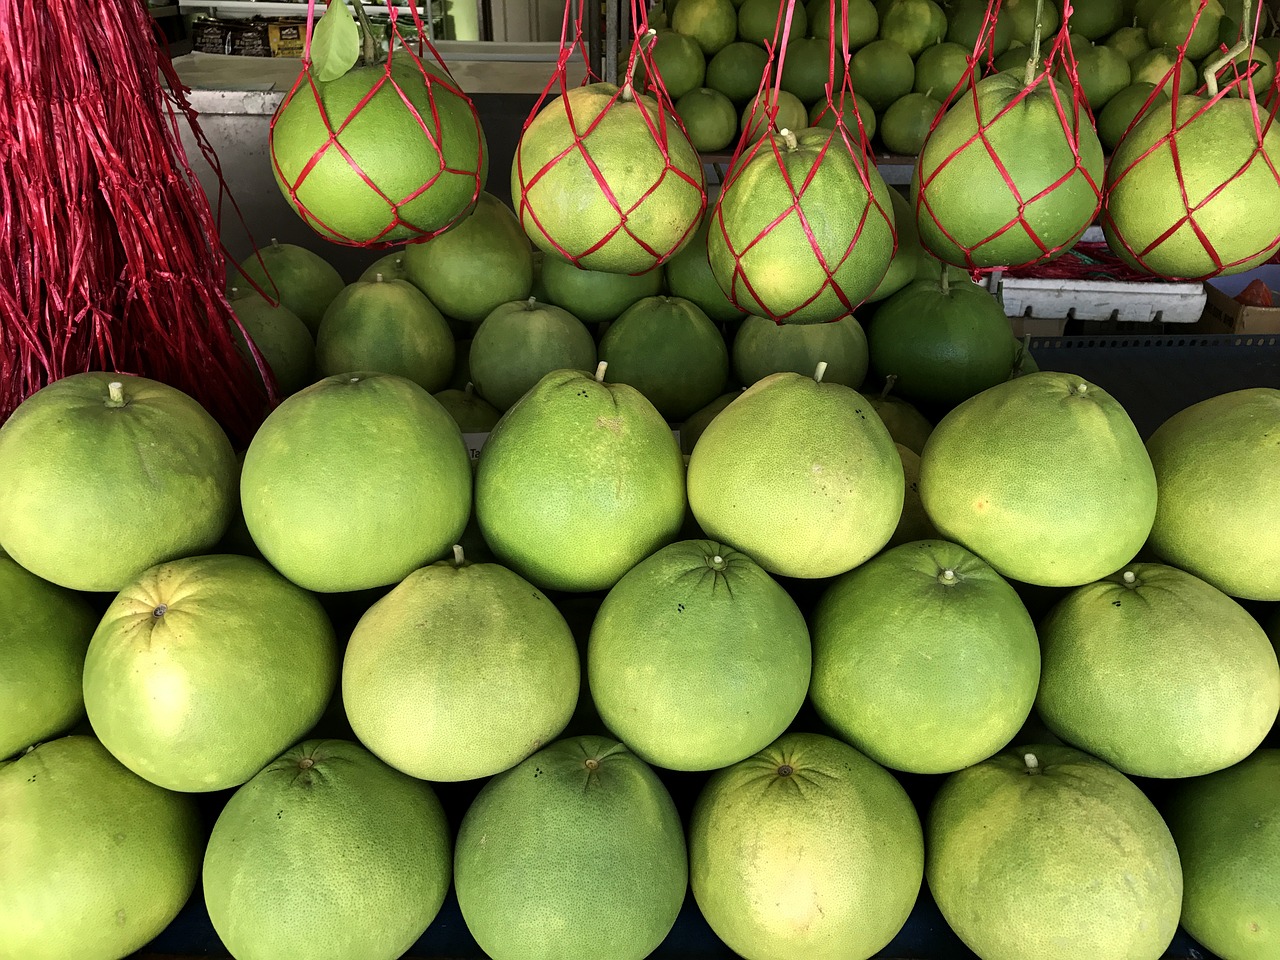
(1192, 190)
(374, 151)
(109, 257)
(803, 229)
(1011, 171)
(604, 176)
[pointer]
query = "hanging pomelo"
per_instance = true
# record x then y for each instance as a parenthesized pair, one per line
(804, 232)
(1194, 193)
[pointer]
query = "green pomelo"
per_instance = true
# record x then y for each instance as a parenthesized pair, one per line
(823, 114)
(1103, 74)
(335, 506)
(800, 475)
(1217, 173)
(882, 72)
(1227, 827)
(520, 343)
(914, 524)
(1158, 673)
(392, 266)
(810, 807)
(297, 278)
(1013, 474)
(44, 633)
(97, 861)
(906, 425)
(1171, 26)
(891, 637)
(694, 425)
(1021, 16)
(913, 25)
(965, 200)
(1095, 19)
(1144, 10)
(862, 18)
(940, 68)
(736, 71)
(905, 125)
(484, 261)
(100, 482)
(943, 345)
(460, 672)
(1154, 65)
(689, 277)
(579, 482)
(759, 20)
(966, 20)
(390, 327)
(711, 121)
(1272, 47)
(1227, 443)
(790, 114)
(472, 413)
(634, 205)
(203, 670)
(282, 339)
(712, 24)
(1129, 42)
(763, 347)
(1122, 109)
(578, 845)
(679, 61)
(380, 836)
(1262, 65)
(413, 155)
(670, 351)
(800, 262)
(1046, 852)
(910, 262)
(698, 658)
(594, 296)
(806, 69)
(1013, 60)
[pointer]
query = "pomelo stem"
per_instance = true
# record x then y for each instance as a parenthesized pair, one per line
(459, 558)
(788, 138)
(601, 367)
(889, 381)
(948, 576)
(946, 281)
(1129, 576)
(368, 46)
(377, 278)
(628, 87)
(1081, 389)
(1033, 764)
(469, 389)
(1212, 67)
(821, 371)
(115, 394)
(531, 302)
(275, 242)
(1034, 63)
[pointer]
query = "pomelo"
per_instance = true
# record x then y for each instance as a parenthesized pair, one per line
(905, 125)
(1122, 109)
(914, 524)
(103, 475)
(943, 343)
(519, 343)
(789, 113)
(806, 69)
(799, 475)
(281, 338)
(696, 423)
(824, 114)
(1129, 42)
(1103, 73)
(1227, 827)
(798, 262)
(299, 279)
(698, 658)
(763, 347)
(637, 202)
(913, 25)
(670, 351)
(1262, 65)
(862, 18)
(882, 72)
(689, 277)
(483, 261)
(471, 412)
(1094, 19)
(1046, 852)
(577, 846)
(97, 861)
(386, 326)
(392, 266)
(940, 68)
(44, 633)
(910, 262)
(202, 670)
(810, 807)
(413, 156)
(1154, 65)
(1218, 174)
(711, 121)
(1030, 167)
(759, 20)
(579, 482)
(906, 424)
(889, 640)
(1226, 443)
(736, 71)
(1014, 473)
(594, 296)
(1171, 25)
(336, 506)
(712, 24)
(679, 61)
(1021, 17)
(327, 854)
(460, 672)
(966, 21)
(1158, 673)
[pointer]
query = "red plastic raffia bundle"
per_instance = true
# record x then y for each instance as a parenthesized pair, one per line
(1192, 189)
(604, 175)
(373, 151)
(109, 254)
(803, 230)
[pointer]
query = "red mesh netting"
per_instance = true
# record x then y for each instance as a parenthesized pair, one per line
(573, 179)
(994, 156)
(388, 153)
(109, 257)
(866, 218)
(1196, 193)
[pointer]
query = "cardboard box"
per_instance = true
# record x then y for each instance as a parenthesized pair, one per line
(1224, 314)
(210, 36)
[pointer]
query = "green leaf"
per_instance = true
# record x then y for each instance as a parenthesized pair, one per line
(335, 44)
